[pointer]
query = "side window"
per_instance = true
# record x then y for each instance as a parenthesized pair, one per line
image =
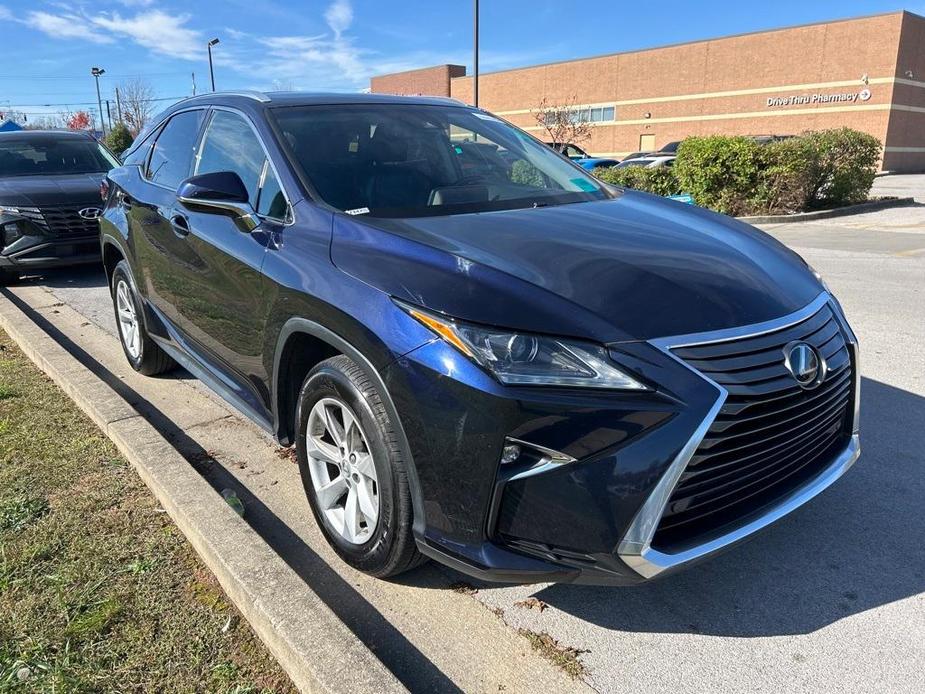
(173, 150)
(229, 144)
(139, 155)
(272, 202)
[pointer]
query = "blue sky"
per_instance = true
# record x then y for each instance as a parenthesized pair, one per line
(48, 46)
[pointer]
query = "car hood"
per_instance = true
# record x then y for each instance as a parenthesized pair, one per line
(636, 267)
(42, 191)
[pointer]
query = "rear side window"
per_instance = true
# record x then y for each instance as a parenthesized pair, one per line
(172, 157)
(139, 155)
(229, 144)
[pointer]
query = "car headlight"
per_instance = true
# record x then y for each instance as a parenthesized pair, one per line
(526, 359)
(818, 277)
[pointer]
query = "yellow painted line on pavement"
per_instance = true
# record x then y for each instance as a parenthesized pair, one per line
(910, 252)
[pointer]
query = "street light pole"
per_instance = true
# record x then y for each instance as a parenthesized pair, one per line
(211, 72)
(96, 72)
(475, 58)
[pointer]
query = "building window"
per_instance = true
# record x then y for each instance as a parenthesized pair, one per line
(598, 114)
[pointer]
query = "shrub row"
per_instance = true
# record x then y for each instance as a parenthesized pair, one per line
(739, 176)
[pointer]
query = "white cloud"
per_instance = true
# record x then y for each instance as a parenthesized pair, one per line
(5, 13)
(64, 26)
(339, 16)
(157, 31)
(324, 61)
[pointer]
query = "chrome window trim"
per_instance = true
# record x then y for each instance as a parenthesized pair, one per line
(635, 549)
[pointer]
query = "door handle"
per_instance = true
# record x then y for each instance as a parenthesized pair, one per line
(180, 225)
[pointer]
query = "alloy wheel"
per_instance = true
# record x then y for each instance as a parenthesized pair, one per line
(128, 319)
(342, 470)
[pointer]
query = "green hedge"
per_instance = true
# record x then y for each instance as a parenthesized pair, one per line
(738, 176)
(660, 181)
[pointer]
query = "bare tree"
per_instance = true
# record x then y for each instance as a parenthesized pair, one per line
(49, 121)
(137, 102)
(13, 115)
(564, 124)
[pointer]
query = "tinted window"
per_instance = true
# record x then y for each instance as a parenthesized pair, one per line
(272, 201)
(406, 160)
(47, 156)
(229, 144)
(139, 152)
(172, 157)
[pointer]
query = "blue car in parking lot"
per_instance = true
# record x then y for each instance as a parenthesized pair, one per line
(582, 158)
(481, 353)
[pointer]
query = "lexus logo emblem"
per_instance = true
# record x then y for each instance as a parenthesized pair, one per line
(805, 364)
(90, 212)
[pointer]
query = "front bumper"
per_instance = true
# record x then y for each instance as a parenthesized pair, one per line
(41, 252)
(588, 521)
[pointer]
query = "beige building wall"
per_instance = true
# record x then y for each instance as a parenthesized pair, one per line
(853, 73)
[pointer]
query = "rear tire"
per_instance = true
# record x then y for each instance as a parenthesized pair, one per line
(347, 445)
(143, 353)
(8, 276)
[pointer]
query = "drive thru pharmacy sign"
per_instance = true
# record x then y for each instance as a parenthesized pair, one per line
(818, 98)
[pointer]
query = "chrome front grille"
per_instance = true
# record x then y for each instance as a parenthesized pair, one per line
(770, 437)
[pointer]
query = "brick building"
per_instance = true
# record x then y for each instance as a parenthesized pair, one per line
(866, 73)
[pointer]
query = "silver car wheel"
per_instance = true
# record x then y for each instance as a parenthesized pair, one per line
(342, 470)
(128, 319)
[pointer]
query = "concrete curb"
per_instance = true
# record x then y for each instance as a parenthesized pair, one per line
(312, 645)
(871, 206)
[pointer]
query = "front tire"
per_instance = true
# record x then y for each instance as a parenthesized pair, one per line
(354, 474)
(143, 353)
(8, 276)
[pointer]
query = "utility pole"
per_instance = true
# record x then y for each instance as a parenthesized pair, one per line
(211, 71)
(96, 72)
(194, 83)
(108, 115)
(118, 106)
(475, 59)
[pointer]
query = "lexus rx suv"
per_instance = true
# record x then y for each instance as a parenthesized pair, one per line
(481, 353)
(49, 199)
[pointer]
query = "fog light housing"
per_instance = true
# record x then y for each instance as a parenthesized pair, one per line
(10, 232)
(510, 453)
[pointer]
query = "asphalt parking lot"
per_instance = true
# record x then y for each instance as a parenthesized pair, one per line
(830, 599)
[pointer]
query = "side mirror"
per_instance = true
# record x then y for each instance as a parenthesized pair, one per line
(222, 192)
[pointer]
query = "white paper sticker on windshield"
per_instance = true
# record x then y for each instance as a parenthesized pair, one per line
(358, 210)
(485, 116)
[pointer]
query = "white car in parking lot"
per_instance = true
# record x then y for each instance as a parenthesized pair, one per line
(652, 161)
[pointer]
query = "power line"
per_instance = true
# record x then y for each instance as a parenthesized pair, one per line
(83, 77)
(93, 103)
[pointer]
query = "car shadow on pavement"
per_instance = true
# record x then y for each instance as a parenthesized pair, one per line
(79, 277)
(856, 547)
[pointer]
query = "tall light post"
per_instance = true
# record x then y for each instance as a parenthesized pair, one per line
(475, 58)
(211, 72)
(96, 72)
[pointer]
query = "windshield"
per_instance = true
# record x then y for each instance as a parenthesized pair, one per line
(49, 157)
(404, 160)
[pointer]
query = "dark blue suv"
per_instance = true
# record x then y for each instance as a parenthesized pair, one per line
(481, 353)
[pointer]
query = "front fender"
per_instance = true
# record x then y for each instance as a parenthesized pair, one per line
(295, 326)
